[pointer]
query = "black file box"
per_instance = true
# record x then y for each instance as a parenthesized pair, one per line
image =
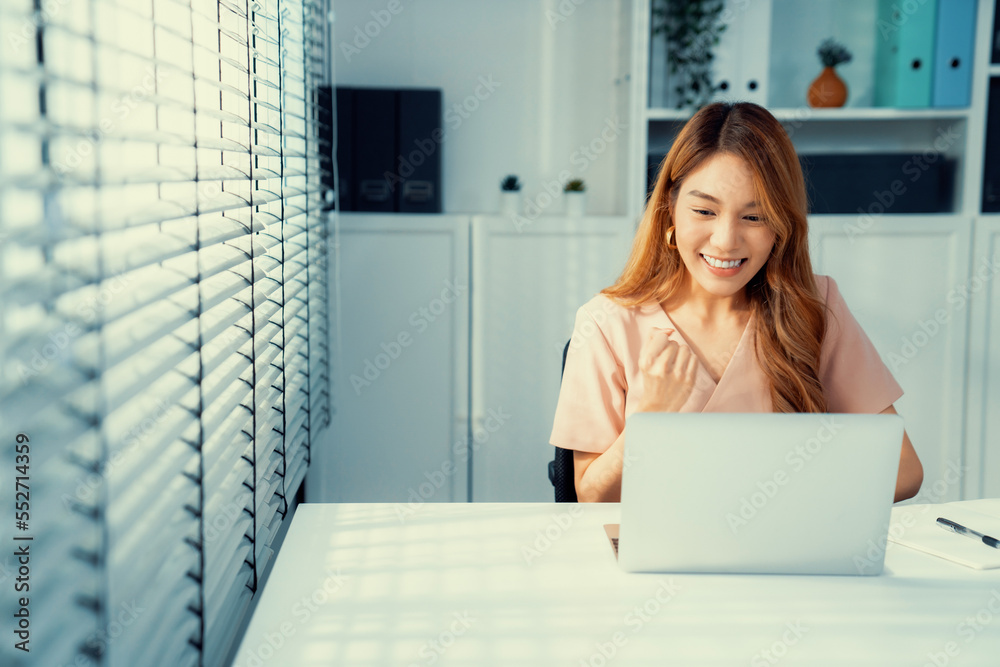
(345, 148)
(418, 164)
(991, 156)
(879, 183)
(374, 149)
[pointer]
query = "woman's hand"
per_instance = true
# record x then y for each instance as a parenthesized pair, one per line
(668, 371)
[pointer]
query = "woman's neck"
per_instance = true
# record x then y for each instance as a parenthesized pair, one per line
(705, 307)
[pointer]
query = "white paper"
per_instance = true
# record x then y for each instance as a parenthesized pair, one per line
(916, 527)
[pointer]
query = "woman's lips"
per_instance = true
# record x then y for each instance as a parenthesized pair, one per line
(723, 272)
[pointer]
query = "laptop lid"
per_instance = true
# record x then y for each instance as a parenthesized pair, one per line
(758, 493)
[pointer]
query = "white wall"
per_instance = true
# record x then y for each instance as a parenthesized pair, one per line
(555, 72)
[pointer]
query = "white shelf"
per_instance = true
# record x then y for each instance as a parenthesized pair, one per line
(842, 114)
(868, 113)
(668, 114)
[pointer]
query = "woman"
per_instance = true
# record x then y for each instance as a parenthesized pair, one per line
(718, 309)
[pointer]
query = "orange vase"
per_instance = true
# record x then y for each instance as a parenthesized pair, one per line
(828, 90)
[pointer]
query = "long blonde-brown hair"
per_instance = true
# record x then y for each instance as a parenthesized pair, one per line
(789, 314)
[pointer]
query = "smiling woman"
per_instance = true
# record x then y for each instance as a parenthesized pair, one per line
(718, 309)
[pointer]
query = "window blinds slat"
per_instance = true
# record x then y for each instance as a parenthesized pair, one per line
(130, 495)
(216, 415)
(227, 570)
(223, 576)
(152, 547)
(226, 453)
(221, 629)
(159, 632)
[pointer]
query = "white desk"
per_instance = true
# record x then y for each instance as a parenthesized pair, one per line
(452, 585)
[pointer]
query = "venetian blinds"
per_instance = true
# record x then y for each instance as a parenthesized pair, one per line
(163, 337)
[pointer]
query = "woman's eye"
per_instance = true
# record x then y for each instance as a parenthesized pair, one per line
(702, 211)
(755, 219)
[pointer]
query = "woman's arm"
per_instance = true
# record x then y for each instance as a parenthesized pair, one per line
(668, 370)
(911, 472)
(599, 476)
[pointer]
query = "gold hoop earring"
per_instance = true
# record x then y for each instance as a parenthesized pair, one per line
(670, 238)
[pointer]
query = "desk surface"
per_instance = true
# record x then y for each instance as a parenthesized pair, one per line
(537, 584)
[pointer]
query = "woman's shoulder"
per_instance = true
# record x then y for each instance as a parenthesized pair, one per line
(827, 288)
(605, 310)
(620, 327)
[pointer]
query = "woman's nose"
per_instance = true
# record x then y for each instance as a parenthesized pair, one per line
(726, 235)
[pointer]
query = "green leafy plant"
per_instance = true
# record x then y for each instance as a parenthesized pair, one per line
(510, 184)
(692, 29)
(832, 53)
(576, 185)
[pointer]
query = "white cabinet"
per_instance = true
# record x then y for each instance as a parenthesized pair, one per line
(983, 414)
(901, 277)
(528, 282)
(401, 429)
(400, 358)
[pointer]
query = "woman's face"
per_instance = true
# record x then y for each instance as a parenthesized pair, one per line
(720, 232)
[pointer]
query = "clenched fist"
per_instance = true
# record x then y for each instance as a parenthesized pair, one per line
(668, 372)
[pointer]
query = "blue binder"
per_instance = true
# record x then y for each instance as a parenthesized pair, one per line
(956, 27)
(904, 53)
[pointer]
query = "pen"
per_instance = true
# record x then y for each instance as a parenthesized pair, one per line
(968, 532)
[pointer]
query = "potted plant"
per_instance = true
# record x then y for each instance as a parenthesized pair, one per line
(829, 90)
(510, 195)
(692, 29)
(575, 193)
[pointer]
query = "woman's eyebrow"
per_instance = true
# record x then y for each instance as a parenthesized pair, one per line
(702, 195)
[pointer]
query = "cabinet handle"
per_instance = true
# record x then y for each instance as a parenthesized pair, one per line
(723, 85)
(916, 63)
(752, 84)
(955, 62)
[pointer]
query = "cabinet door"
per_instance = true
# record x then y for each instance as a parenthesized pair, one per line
(901, 277)
(400, 378)
(528, 282)
(983, 416)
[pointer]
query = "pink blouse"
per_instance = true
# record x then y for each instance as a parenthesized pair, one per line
(602, 384)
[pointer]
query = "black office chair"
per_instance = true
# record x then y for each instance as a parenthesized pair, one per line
(561, 468)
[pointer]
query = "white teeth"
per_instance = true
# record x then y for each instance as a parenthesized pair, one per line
(719, 264)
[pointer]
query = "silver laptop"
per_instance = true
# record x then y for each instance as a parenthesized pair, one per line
(758, 493)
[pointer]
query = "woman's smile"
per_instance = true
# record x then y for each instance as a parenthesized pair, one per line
(723, 267)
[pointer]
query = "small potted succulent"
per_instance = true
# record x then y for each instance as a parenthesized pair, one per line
(510, 195)
(829, 90)
(575, 193)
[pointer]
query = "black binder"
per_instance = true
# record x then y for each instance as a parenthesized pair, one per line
(345, 148)
(418, 165)
(324, 118)
(991, 157)
(877, 183)
(375, 150)
(995, 51)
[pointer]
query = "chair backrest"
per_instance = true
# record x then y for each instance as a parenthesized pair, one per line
(561, 472)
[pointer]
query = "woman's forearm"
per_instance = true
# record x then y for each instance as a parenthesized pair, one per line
(910, 474)
(602, 480)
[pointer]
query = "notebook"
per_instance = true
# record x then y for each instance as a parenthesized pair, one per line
(757, 493)
(916, 527)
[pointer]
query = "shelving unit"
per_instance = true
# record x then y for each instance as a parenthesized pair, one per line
(896, 270)
(785, 64)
